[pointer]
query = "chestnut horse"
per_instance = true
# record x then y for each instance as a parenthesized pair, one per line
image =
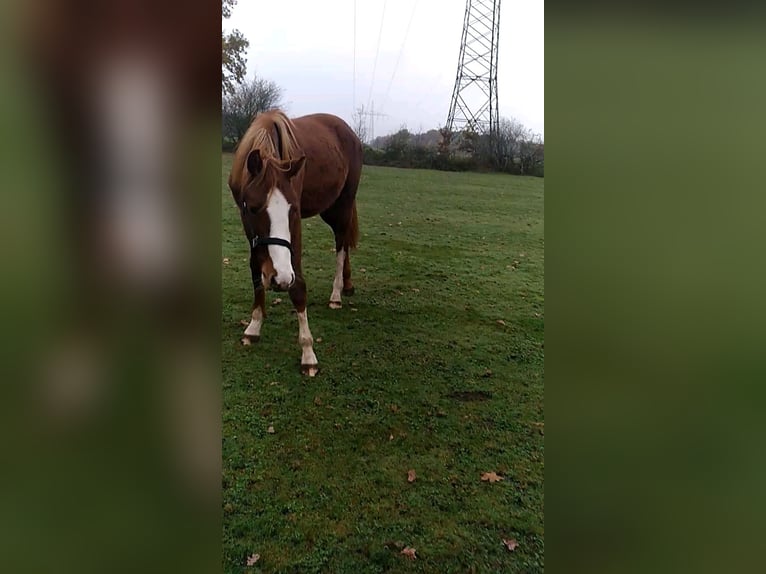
(284, 171)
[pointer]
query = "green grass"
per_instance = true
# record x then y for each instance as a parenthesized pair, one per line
(417, 354)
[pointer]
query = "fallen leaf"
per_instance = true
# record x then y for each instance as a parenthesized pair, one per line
(416, 290)
(225, 260)
(390, 437)
(511, 544)
(271, 430)
(244, 322)
(252, 559)
(276, 301)
(411, 476)
(501, 322)
(409, 553)
(318, 339)
(491, 477)
(363, 270)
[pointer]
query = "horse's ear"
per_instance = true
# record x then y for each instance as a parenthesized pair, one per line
(254, 162)
(295, 166)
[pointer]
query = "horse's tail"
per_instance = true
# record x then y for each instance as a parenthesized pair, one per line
(352, 232)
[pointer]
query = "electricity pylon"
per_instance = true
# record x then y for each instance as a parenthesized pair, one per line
(474, 97)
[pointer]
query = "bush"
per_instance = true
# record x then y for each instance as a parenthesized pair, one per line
(419, 157)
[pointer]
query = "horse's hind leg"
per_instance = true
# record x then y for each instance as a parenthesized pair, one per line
(348, 287)
(343, 221)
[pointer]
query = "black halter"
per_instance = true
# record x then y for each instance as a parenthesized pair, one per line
(270, 241)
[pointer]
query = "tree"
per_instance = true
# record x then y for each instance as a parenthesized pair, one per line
(506, 146)
(233, 60)
(244, 102)
(531, 152)
(397, 145)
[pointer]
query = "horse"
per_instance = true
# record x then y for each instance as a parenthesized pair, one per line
(286, 170)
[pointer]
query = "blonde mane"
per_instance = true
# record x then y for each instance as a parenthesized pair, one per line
(261, 136)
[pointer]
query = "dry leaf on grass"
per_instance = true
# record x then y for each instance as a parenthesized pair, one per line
(409, 553)
(252, 559)
(491, 477)
(318, 340)
(391, 437)
(510, 544)
(276, 301)
(501, 322)
(225, 260)
(271, 430)
(411, 476)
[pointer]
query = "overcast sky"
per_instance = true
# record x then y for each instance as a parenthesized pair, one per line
(307, 47)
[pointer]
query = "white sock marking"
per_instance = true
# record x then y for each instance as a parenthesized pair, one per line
(306, 340)
(337, 283)
(254, 328)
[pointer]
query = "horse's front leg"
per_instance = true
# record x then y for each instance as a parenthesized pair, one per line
(253, 330)
(309, 364)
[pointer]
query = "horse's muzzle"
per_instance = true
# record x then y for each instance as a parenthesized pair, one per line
(277, 286)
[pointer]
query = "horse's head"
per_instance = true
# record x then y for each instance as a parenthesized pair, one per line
(270, 203)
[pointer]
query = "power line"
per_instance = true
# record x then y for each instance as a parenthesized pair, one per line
(399, 57)
(377, 50)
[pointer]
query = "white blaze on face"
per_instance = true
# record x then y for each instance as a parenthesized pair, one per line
(279, 216)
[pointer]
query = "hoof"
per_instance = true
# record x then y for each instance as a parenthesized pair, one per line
(336, 305)
(249, 340)
(309, 370)
(349, 291)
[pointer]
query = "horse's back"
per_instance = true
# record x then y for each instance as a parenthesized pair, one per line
(333, 157)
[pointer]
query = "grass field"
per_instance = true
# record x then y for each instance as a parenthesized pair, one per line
(434, 365)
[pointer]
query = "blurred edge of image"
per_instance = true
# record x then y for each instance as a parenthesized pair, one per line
(111, 244)
(654, 295)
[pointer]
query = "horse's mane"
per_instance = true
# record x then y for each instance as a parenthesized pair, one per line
(268, 132)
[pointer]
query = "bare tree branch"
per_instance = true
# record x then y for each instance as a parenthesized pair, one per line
(245, 102)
